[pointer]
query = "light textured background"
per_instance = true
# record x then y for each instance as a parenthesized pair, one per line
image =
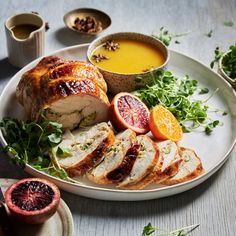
(212, 204)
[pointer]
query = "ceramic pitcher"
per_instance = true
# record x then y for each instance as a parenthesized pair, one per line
(23, 51)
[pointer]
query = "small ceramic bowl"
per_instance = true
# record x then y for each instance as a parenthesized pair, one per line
(118, 82)
(82, 13)
(222, 72)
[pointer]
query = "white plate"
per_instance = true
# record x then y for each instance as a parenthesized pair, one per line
(213, 150)
(60, 224)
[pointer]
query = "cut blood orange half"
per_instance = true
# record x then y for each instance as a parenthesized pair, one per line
(32, 200)
(164, 125)
(128, 111)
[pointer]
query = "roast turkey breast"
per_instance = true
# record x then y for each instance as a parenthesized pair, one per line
(68, 92)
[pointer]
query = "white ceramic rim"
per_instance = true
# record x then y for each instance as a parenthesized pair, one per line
(199, 179)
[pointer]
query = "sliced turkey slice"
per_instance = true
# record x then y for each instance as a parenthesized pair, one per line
(169, 162)
(190, 169)
(144, 164)
(167, 165)
(117, 161)
(82, 150)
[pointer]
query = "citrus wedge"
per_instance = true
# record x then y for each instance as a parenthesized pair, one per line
(128, 112)
(164, 125)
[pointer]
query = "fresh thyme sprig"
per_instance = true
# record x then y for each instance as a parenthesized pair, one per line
(185, 231)
(166, 37)
(177, 96)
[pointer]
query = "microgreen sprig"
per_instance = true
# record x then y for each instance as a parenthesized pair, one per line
(209, 34)
(30, 142)
(228, 23)
(177, 96)
(185, 231)
(229, 62)
(166, 37)
(218, 55)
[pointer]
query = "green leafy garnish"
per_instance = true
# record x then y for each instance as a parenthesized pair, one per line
(185, 231)
(209, 34)
(166, 37)
(229, 62)
(218, 55)
(30, 142)
(228, 23)
(204, 91)
(176, 95)
(209, 128)
(63, 152)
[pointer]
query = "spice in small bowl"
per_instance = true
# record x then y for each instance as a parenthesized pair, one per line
(87, 21)
(87, 25)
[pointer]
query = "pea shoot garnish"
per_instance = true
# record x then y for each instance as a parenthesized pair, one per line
(167, 37)
(177, 95)
(228, 61)
(184, 231)
(30, 142)
(209, 34)
(228, 23)
(218, 55)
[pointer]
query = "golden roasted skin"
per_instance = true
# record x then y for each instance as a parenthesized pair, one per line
(29, 86)
(53, 79)
(76, 69)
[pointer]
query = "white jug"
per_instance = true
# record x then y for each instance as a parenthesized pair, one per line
(21, 51)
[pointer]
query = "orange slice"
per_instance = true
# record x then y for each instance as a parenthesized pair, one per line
(164, 125)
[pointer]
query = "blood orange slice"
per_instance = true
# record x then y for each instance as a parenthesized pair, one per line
(32, 200)
(128, 111)
(164, 125)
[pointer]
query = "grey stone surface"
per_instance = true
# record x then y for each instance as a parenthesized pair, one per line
(212, 204)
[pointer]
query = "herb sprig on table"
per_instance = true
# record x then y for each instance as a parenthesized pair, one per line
(218, 55)
(167, 37)
(29, 143)
(185, 231)
(176, 95)
(228, 23)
